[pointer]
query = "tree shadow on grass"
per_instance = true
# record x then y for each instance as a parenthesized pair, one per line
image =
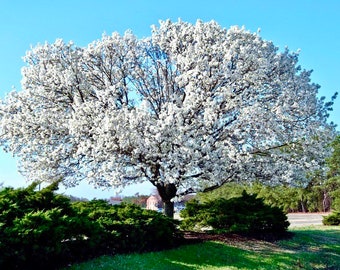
(313, 250)
(308, 249)
(215, 255)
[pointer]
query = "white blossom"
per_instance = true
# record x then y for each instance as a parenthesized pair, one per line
(193, 106)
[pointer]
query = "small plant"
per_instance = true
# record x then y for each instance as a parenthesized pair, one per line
(332, 219)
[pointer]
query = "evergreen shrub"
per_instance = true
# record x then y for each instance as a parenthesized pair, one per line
(41, 230)
(245, 214)
(332, 219)
(44, 230)
(129, 228)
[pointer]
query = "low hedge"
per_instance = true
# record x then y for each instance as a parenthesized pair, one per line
(44, 230)
(129, 228)
(40, 229)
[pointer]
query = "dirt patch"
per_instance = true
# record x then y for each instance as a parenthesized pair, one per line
(254, 242)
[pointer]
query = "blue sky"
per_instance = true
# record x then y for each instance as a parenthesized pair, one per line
(312, 26)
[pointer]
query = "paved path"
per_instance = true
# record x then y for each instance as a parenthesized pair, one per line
(297, 219)
(305, 219)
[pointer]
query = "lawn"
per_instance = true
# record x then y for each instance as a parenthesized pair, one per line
(315, 247)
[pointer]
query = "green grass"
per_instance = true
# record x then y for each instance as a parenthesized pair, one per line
(310, 248)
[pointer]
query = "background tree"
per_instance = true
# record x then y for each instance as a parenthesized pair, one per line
(312, 198)
(333, 175)
(333, 183)
(189, 108)
(137, 199)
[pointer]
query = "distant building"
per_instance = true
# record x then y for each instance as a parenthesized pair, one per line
(115, 200)
(152, 202)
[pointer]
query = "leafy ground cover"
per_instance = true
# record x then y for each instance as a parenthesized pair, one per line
(315, 247)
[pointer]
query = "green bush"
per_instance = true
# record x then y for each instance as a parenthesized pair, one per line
(40, 229)
(332, 219)
(129, 228)
(44, 230)
(245, 214)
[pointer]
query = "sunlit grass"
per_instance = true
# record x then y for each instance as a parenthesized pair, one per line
(310, 248)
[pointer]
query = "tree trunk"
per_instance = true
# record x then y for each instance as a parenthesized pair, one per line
(167, 192)
(168, 208)
(303, 207)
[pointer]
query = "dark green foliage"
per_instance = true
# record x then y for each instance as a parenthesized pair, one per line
(245, 214)
(333, 161)
(332, 219)
(40, 229)
(290, 199)
(333, 182)
(333, 185)
(44, 230)
(129, 228)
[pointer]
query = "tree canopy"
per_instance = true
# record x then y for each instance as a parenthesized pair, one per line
(189, 108)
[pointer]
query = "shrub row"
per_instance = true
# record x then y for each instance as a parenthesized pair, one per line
(44, 230)
(129, 228)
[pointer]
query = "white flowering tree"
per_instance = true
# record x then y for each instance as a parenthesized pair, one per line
(188, 109)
